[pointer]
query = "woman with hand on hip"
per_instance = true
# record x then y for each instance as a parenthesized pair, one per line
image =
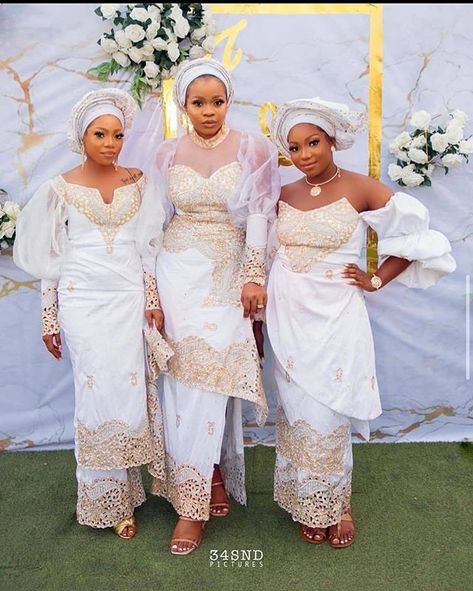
(92, 236)
(220, 187)
(317, 321)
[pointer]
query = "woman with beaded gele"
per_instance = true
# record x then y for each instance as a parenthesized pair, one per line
(219, 190)
(316, 316)
(91, 235)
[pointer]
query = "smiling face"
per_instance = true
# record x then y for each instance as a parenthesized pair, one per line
(206, 105)
(311, 149)
(103, 139)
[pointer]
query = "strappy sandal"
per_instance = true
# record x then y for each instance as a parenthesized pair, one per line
(225, 505)
(120, 527)
(194, 543)
(320, 531)
(335, 535)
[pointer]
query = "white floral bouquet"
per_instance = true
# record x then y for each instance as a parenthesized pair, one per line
(151, 40)
(9, 211)
(419, 152)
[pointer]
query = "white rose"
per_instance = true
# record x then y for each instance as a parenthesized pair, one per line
(109, 10)
(108, 45)
(395, 172)
(421, 119)
(12, 209)
(439, 142)
(176, 13)
(401, 141)
(400, 155)
(209, 44)
(4, 244)
(8, 228)
(451, 160)
(159, 44)
(454, 132)
(411, 178)
(151, 70)
(154, 13)
(196, 51)
(139, 14)
(466, 146)
(419, 141)
(181, 28)
(136, 55)
(459, 116)
(198, 34)
(147, 50)
(122, 40)
(121, 59)
(152, 31)
(135, 33)
(417, 156)
(173, 51)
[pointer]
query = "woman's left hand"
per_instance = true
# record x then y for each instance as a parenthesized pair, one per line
(253, 298)
(358, 277)
(155, 317)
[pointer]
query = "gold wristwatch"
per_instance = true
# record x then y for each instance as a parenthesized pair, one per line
(376, 281)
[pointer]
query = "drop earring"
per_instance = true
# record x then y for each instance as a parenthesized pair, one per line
(84, 155)
(333, 149)
(115, 165)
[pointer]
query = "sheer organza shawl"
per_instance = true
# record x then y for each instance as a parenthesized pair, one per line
(259, 186)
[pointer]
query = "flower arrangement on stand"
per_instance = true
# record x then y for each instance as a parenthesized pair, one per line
(9, 211)
(418, 153)
(151, 40)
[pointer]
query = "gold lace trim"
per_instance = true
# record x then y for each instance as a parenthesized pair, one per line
(106, 501)
(108, 217)
(253, 268)
(203, 223)
(233, 371)
(310, 450)
(321, 494)
(233, 471)
(185, 488)
(113, 445)
(49, 321)
(151, 292)
(155, 417)
(316, 502)
(310, 236)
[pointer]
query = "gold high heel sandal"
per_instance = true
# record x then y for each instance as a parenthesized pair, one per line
(120, 527)
(224, 505)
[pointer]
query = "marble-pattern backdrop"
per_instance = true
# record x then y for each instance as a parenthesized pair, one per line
(420, 337)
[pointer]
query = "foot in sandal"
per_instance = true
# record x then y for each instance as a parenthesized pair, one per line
(219, 504)
(342, 534)
(187, 536)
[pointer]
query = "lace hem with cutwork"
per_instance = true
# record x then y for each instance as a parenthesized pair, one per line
(233, 472)
(186, 489)
(157, 466)
(113, 445)
(106, 501)
(49, 310)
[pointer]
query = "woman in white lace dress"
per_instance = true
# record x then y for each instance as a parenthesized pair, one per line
(220, 187)
(316, 315)
(92, 235)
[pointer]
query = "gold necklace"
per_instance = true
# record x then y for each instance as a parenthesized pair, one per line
(213, 141)
(316, 190)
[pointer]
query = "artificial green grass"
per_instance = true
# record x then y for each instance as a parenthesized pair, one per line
(413, 506)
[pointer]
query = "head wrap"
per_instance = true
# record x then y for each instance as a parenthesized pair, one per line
(191, 70)
(107, 101)
(335, 119)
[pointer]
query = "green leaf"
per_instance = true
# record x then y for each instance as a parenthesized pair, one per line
(103, 70)
(427, 182)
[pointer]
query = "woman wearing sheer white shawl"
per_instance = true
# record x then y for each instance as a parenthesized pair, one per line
(219, 187)
(92, 235)
(316, 316)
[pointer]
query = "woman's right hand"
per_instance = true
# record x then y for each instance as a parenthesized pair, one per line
(53, 344)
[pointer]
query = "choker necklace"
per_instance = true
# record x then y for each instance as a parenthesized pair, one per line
(211, 142)
(316, 190)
